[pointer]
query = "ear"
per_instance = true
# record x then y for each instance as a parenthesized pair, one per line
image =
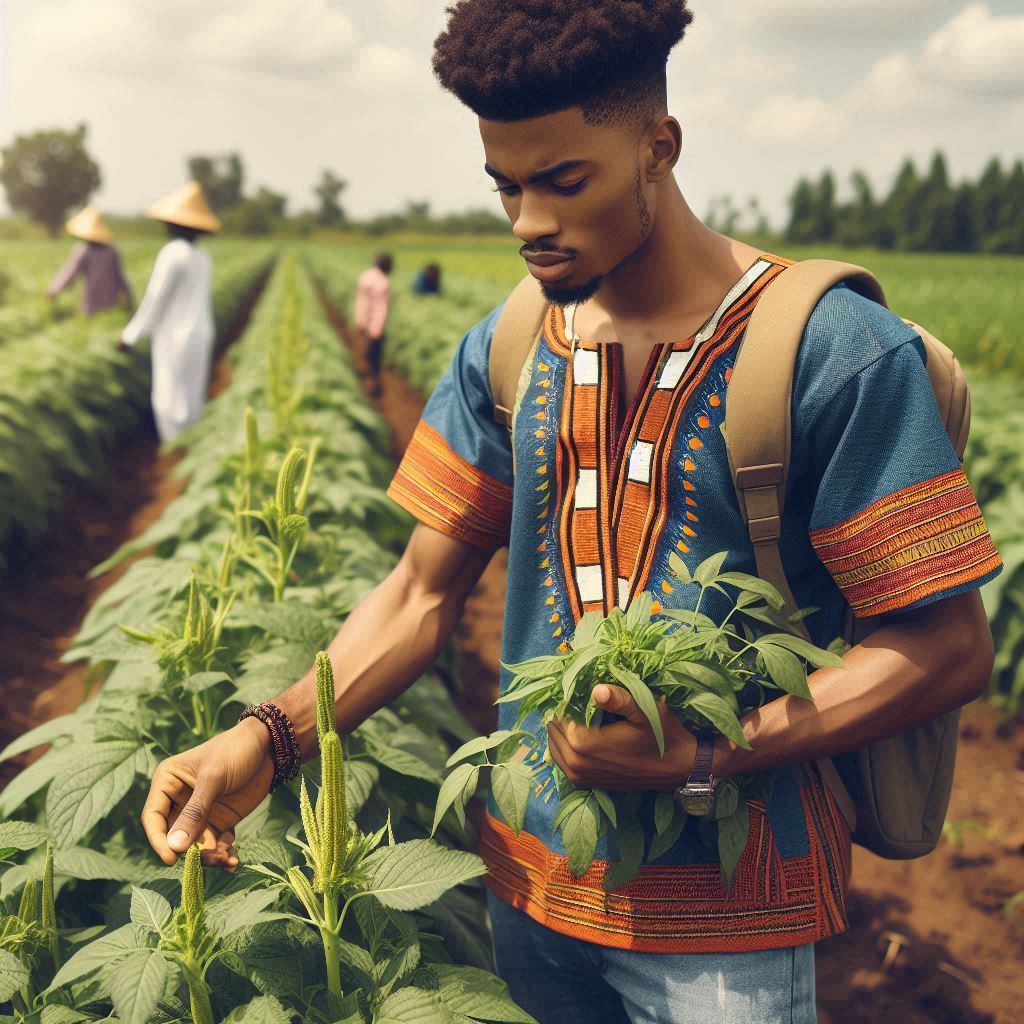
(663, 146)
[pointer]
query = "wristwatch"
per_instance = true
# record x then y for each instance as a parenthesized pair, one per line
(697, 794)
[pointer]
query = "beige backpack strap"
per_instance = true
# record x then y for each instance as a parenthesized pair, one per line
(758, 417)
(514, 335)
(758, 406)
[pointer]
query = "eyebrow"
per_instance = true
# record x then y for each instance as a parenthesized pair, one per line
(541, 176)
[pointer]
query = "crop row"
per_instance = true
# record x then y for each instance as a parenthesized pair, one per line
(67, 396)
(282, 527)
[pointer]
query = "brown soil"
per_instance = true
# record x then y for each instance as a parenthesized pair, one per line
(42, 605)
(928, 942)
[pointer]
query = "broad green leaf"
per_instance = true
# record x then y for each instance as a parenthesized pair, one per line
(453, 791)
(479, 745)
(201, 681)
(411, 1006)
(388, 973)
(262, 1010)
(586, 629)
(727, 798)
(227, 914)
(709, 569)
(641, 693)
(785, 669)
(607, 805)
(804, 649)
(639, 611)
(137, 984)
(149, 909)
(754, 585)
(128, 938)
(13, 975)
(664, 812)
(664, 842)
(405, 763)
(360, 778)
(412, 874)
(678, 566)
(580, 662)
(511, 785)
(477, 993)
(77, 800)
(732, 840)
(630, 839)
(55, 1013)
(63, 725)
(579, 834)
(720, 715)
(21, 835)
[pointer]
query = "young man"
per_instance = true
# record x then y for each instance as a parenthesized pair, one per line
(177, 311)
(621, 420)
(373, 296)
(97, 261)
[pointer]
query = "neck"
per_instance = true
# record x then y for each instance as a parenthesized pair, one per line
(678, 269)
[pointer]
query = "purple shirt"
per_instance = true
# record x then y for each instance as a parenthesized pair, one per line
(104, 277)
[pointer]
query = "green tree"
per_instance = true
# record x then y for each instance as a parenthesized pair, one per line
(899, 208)
(330, 213)
(1008, 235)
(988, 201)
(261, 214)
(47, 174)
(857, 220)
(222, 179)
(930, 226)
(802, 206)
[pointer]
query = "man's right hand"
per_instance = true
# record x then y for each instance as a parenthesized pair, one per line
(202, 794)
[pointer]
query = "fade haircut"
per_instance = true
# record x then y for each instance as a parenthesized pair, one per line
(509, 60)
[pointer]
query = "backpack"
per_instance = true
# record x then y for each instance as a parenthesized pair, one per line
(893, 793)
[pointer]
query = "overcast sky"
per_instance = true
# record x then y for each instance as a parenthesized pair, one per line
(765, 93)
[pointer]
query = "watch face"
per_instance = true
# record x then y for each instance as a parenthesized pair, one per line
(698, 800)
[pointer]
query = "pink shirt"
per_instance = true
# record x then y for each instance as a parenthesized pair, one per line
(373, 292)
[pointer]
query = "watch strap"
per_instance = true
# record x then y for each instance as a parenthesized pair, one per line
(700, 773)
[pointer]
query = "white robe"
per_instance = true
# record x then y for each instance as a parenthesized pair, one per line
(177, 313)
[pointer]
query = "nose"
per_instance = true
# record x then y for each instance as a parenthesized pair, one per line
(534, 221)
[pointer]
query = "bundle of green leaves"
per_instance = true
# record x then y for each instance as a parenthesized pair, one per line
(708, 672)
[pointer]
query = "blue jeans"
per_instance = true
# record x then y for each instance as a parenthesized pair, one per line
(562, 980)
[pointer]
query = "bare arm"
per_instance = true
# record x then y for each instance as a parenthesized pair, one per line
(393, 635)
(390, 638)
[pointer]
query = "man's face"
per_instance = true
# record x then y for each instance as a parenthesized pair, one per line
(574, 195)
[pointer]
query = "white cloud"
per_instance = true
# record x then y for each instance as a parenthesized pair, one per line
(378, 68)
(839, 18)
(300, 39)
(978, 51)
(783, 119)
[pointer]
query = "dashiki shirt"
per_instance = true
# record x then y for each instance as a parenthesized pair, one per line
(879, 515)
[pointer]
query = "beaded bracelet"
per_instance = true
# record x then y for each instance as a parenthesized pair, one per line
(284, 747)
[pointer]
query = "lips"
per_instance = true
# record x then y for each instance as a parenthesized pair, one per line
(548, 266)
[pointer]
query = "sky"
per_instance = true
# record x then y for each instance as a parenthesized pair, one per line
(765, 93)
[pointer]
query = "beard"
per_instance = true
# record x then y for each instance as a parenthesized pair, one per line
(572, 295)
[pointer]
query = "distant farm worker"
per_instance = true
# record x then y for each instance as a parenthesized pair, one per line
(177, 311)
(428, 280)
(96, 261)
(597, 456)
(373, 295)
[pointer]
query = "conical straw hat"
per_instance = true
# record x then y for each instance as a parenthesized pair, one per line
(88, 225)
(187, 207)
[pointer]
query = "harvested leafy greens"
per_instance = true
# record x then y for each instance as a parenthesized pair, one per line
(709, 673)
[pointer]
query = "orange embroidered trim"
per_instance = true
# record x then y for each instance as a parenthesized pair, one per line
(682, 908)
(444, 491)
(919, 541)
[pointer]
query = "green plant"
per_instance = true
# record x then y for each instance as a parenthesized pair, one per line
(708, 673)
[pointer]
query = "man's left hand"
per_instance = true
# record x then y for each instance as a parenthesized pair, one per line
(622, 755)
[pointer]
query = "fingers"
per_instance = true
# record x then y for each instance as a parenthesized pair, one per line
(218, 849)
(155, 813)
(619, 702)
(195, 815)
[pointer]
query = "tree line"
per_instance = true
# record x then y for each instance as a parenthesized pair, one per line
(923, 212)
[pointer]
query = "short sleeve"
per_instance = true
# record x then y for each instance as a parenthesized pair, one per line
(456, 474)
(894, 518)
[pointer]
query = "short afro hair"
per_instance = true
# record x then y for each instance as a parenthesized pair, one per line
(508, 60)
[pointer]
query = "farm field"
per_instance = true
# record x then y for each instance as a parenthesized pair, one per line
(227, 608)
